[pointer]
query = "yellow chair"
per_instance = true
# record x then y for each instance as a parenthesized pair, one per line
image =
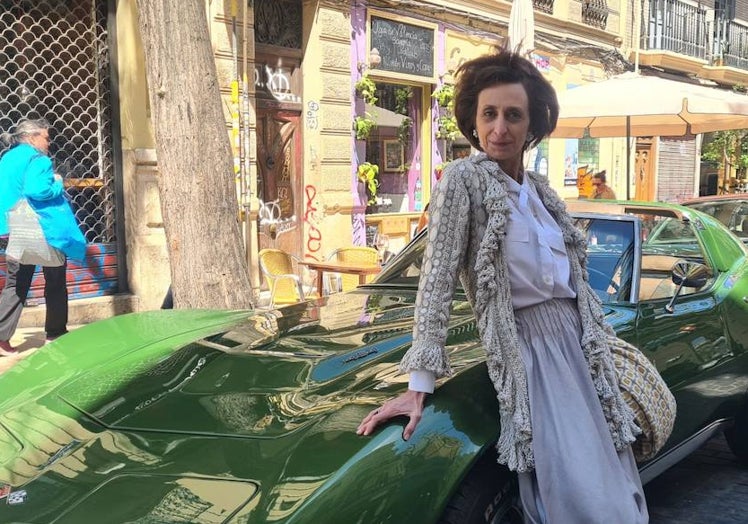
(281, 271)
(358, 255)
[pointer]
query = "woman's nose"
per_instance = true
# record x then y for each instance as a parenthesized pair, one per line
(499, 125)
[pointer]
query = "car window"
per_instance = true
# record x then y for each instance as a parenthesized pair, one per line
(405, 268)
(665, 241)
(610, 259)
(610, 256)
(732, 213)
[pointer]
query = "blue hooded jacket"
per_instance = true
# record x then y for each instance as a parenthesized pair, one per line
(25, 172)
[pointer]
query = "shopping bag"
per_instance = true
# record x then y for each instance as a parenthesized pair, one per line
(26, 242)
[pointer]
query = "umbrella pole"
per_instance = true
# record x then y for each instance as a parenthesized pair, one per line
(628, 157)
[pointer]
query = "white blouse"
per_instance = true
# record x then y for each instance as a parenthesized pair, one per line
(536, 256)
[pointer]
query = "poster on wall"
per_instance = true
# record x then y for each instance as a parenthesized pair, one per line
(571, 161)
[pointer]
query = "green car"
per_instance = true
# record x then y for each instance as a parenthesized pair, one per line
(251, 417)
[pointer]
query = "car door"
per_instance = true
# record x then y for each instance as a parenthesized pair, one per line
(689, 340)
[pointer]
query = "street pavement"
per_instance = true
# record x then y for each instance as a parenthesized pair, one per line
(26, 340)
(708, 487)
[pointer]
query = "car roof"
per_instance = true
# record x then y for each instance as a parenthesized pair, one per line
(622, 207)
(716, 198)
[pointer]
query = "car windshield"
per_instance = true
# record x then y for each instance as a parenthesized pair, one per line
(610, 258)
(732, 213)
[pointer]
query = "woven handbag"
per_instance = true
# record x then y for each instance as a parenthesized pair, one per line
(646, 393)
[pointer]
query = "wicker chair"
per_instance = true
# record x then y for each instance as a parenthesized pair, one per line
(359, 255)
(281, 270)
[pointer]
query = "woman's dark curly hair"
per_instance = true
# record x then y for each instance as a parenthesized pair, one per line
(504, 67)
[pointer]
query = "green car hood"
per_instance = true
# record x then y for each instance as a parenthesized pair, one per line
(172, 404)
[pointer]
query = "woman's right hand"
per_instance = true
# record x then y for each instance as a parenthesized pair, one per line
(409, 404)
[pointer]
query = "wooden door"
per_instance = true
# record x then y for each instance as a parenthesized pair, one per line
(279, 180)
(644, 172)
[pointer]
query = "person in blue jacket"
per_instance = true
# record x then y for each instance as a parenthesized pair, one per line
(26, 172)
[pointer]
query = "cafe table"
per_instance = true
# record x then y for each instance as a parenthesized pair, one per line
(362, 270)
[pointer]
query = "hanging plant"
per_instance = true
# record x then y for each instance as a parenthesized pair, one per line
(367, 173)
(447, 128)
(403, 132)
(402, 96)
(363, 126)
(366, 88)
(445, 96)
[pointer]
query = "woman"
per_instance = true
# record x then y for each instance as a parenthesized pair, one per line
(565, 427)
(26, 172)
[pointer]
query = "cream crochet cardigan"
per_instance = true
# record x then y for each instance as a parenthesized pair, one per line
(468, 216)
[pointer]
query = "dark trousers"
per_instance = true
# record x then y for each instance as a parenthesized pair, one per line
(13, 296)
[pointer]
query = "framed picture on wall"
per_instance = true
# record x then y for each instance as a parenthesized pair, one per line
(393, 155)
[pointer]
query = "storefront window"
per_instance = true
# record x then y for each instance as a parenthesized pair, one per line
(589, 152)
(394, 145)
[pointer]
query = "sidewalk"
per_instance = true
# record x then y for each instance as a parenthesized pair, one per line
(26, 340)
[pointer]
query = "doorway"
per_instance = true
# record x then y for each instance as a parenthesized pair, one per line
(279, 180)
(644, 170)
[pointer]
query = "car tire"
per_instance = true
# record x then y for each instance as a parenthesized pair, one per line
(737, 435)
(488, 495)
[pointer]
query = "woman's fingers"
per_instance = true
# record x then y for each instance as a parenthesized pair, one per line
(409, 404)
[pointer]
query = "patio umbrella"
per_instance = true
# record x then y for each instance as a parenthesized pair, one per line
(632, 104)
(522, 27)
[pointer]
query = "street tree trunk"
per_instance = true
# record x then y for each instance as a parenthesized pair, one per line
(196, 175)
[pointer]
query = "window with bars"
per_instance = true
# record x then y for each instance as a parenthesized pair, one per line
(54, 64)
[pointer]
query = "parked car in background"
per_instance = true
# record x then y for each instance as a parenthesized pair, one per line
(251, 416)
(731, 210)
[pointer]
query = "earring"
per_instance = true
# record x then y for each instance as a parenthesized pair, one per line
(475, 133)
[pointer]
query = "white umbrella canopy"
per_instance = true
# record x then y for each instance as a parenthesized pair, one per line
(522, 27)
(632, 104)
(652, 106)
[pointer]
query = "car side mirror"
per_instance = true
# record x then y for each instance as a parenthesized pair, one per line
(688, 274)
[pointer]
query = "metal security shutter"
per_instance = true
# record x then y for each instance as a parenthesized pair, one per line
(54, 64)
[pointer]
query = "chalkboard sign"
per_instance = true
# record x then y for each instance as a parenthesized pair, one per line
(404, 48)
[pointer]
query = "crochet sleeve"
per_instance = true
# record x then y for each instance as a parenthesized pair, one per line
(445, 250)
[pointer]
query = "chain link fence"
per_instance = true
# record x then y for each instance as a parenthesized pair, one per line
(54, 64)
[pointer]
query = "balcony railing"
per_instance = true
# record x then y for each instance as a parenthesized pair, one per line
(544, 6)
(595, 13)
(676, 26)
(731, 42)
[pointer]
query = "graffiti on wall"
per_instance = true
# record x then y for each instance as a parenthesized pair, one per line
(312, 108)
(312, 219)
(94, 277)
(276, 81)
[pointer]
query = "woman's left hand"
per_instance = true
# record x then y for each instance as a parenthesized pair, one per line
(409, 404)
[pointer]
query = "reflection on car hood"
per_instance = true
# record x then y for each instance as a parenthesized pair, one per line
(267, 375)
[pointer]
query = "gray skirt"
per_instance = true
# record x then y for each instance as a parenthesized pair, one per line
(579, 477)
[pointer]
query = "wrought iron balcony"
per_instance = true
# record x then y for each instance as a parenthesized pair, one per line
(595, 13)
(730, 41)
(544, 6)
(678, 27)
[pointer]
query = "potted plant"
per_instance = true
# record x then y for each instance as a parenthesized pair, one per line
(363, 126)
(367, 173)
(366, 88)
(445, 96)
(447, 127)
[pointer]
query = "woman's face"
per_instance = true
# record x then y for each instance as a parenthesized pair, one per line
(502, 123)
(40, 141)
